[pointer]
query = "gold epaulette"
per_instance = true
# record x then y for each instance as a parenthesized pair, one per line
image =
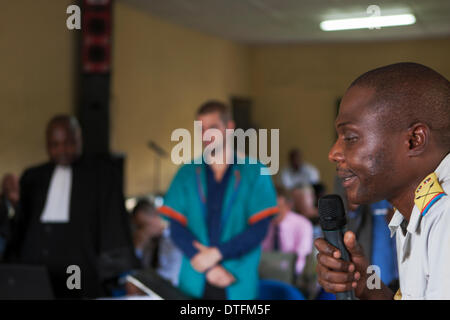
(427, 193)
(398, 295)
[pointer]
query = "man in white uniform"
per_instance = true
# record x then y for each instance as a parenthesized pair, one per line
(394, 143)
(425, 244)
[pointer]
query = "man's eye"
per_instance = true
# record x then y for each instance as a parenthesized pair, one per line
(350, 139)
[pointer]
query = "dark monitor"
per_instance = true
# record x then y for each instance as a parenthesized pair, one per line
(276, 265)
(22, 282)
(161, 287)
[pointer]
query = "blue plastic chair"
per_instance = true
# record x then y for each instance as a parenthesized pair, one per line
(323, 295)
(277, 290)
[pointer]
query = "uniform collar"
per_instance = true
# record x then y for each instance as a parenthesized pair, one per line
(397, 219)
(395, 222)
(443, 170)
(414, 220)
(413, 227)
(443, 174)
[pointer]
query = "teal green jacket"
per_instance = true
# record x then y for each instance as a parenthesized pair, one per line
(249, 197)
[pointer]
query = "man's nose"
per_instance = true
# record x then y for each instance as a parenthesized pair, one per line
(59, 149)
(336, 154)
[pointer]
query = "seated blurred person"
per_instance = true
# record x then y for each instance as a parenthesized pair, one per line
(147, 228)
(304, 201)
(298, 173)
(71, 212)
(152, 242)
(319, 191)
(9, 198)
(289, 232)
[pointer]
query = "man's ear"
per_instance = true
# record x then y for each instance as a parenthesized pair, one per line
(418, 138)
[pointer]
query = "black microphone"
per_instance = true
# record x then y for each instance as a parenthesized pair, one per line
(332, 221)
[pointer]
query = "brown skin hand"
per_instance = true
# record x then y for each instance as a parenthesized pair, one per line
(132, 290)
(375, 162)
(10, 188)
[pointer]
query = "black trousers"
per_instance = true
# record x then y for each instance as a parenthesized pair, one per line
(214, 293)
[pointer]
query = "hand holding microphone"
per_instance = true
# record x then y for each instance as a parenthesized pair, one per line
(342, 266)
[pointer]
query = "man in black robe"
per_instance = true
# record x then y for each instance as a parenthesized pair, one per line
(71, 212)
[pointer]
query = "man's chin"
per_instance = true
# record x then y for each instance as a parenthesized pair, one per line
(63, 162)
(358, 199)
(353, 196)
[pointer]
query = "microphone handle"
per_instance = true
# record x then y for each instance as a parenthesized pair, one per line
(335, 238)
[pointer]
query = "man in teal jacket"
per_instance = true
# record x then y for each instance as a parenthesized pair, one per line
(219, 215)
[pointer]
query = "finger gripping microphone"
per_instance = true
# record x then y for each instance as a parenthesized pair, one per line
(332, 221)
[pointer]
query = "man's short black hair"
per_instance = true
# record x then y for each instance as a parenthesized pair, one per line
(66, 120)
(215, 106)
(407, 93)
(294, 152)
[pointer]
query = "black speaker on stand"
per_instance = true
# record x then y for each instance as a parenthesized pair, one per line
(94, 85)
(96, 35)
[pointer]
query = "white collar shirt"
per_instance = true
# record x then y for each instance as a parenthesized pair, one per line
(423, 252)
(57, 205)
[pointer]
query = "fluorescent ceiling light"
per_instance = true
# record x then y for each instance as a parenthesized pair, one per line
(368, 22)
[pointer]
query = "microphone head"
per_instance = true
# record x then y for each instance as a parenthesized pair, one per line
(331, 212)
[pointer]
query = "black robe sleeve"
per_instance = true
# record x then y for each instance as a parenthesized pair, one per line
(116, 254)
(19, 221)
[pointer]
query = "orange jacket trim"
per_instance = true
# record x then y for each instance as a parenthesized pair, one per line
(263, 214)
(169, 212)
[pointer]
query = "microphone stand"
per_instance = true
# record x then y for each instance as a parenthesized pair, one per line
(160, 153)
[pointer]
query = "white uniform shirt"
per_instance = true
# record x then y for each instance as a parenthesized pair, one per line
(423, 253)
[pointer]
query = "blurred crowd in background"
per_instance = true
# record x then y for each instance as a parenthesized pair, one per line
(71, 210)
(92, 91)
